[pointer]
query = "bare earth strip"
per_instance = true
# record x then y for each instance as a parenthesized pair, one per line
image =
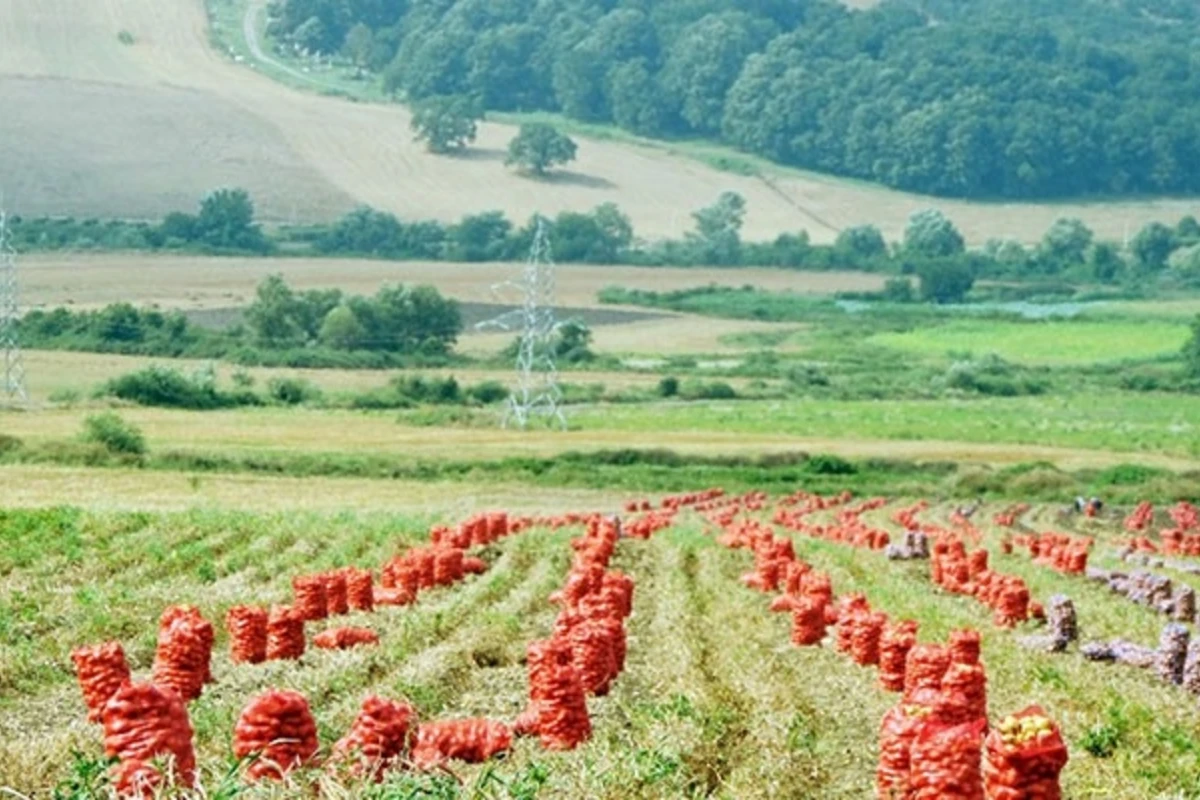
(195, 282)
(138, 130)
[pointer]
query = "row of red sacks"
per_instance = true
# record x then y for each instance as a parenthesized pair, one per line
(1009, 516)
(1062, 552)
(953, 569)
(931, 743)
(182, 663)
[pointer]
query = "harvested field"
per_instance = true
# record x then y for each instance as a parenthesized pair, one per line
(168, 96)
(712, 695)
(195, 282)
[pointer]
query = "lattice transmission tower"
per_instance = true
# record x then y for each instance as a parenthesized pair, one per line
(14, 367)
(536, 395)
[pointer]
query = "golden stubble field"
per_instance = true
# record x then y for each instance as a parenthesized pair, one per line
(96, 127)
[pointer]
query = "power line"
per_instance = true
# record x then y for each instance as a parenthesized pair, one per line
(14, 367)
(537, 394)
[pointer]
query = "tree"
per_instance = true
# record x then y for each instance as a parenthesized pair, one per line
(1191, 351)
(572, 343)
(717, 238)
(1152, 246)
(342, 330)
(862, 242)
(538, 147)
(446, 124)
(479, 237)
(226, 223)
(945, 280)
(931, 235)
(596, 238)
(1104, 261)
(1188, 230)
(1064, 245)
(359, 44)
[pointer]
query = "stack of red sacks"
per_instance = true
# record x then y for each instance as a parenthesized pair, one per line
(276, 730)
(336, 597)
(557, 711)
(285, 634)
(184, 655)
(894, 645)
(144, 725)
(471, 740)
(247, 626)
(377, 740)
(1140, 518)
(907, 517)
(344, 638)
(931, 743)
(1184, 538)
(102, 670)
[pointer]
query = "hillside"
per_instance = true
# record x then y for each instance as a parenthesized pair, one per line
(95, 126)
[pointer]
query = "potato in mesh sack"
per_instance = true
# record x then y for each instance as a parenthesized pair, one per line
(182, 658)
(102, 670)
(924, 668)
(144, 723)
(471, 740)
(378, 738)
(1023, 757)
(285, 634)
(946, 761)
(557, 695)
(897, 639)
(896, 734)
(865, 635)
(447, 565)
(360, 589)
(247, 626)
(964, 694)
(276, 730)
(345, 638)
(965, 645)
(336, 601)
(202, 626)
(808, 622)
(311, 602)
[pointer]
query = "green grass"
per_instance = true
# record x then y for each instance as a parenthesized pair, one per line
(1124, 422)
(714, 701)
(1074, 342)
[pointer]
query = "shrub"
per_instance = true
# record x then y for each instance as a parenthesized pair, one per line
(114, 434)
(488, 392)
(292, 391)
(714, 390)
(169, 388)
(668, 387)
(9, 444)
(829, 465)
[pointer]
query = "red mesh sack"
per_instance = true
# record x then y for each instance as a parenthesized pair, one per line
(285, 633)
(447, 565)
(425, 567)
(592, 651)
(945, 762)
(399, 596)
(470, 740)
(311, 603)
(964, 694)
(345, 638)
(965, 646)
(526, 723)
(808, 622)
(144, 722)
(102, 670)
(620, 587)
(181, 660)
(377, 739)
(202, 627)
(336, 601)
(472, 565)
(137, 778)
(897, 731)
(1023, 757)
(360, 589)
(895, 643)
(557, 695)
(277, 731)
(924, 668)
(247, 626)
(864, 638)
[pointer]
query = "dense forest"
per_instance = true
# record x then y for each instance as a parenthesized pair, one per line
(971, 98)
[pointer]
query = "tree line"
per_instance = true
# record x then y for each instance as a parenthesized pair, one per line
(1068, 252)
(970, 98)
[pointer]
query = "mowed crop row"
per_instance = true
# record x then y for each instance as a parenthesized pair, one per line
(713, 701)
